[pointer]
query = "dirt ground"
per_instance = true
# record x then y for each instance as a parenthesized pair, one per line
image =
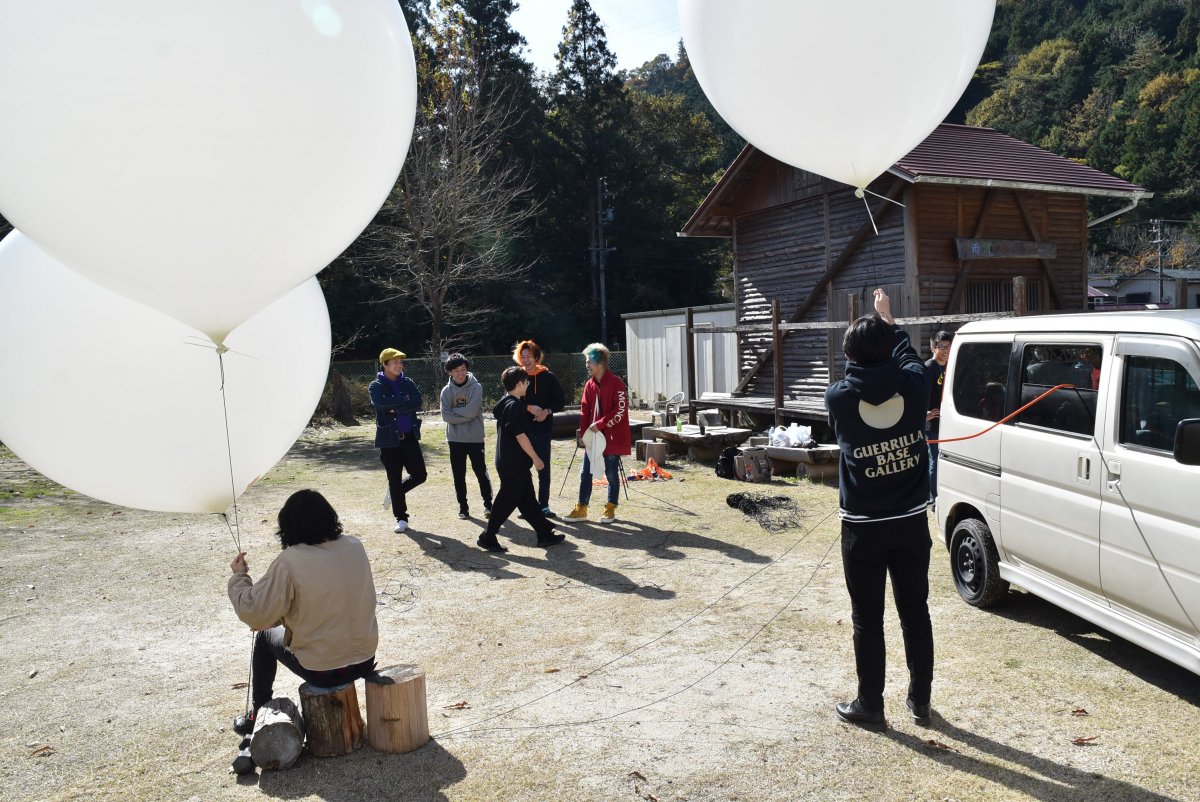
(683, 653)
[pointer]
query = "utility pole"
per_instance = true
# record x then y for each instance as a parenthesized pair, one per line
(604, 216)
(1159, 240)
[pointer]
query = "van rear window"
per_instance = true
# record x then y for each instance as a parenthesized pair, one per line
(981, 380)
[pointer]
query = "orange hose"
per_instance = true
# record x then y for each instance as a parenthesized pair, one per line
(1006, 418)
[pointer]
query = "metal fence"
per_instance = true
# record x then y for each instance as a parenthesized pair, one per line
(430, 377)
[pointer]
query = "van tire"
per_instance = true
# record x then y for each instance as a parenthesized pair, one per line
(975, 564)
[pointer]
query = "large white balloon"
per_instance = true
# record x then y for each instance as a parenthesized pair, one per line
(122, 403)
(839, 88)
(201, 156)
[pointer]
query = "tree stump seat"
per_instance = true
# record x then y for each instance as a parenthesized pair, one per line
(397, 717)
(332, 721)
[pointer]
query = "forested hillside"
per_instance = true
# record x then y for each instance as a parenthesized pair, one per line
(1114, 84)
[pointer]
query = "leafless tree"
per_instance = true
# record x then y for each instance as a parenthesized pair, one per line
(460, 200)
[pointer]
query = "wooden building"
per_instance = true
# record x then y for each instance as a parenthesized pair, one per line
(954, 222)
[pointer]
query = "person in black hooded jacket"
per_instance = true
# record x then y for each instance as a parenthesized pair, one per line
(878, 416)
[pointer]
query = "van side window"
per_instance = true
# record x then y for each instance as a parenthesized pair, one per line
(1156, 393)
(981, 380)
(1071, 409)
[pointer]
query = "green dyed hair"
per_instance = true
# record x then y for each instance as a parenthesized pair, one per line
(596, 353)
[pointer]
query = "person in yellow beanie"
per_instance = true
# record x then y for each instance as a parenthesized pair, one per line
(397, 430)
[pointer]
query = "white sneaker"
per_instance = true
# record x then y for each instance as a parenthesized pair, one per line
(401, 525)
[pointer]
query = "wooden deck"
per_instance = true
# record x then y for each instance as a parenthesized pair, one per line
(799, 410)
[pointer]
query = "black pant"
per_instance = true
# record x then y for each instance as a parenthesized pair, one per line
(540, 441)
(459, 452)
(871, 552)
(516, 492)
(404, 457)
(269, 652)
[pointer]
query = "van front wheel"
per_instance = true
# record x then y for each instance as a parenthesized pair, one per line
(976, 564)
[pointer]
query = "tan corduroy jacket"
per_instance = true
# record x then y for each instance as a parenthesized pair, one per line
(324, 595)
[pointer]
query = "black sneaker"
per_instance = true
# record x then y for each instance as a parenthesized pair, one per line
(244, 724)
(464, 514)
(490, 544)
(487, 511)
(549, 513)
(920, 713)
(550, 539)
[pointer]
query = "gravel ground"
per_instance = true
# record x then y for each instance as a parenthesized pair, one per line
(683, 653)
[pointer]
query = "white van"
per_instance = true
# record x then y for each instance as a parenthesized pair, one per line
(1085, 498)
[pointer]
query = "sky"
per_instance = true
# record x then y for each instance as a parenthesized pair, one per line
(637, 30)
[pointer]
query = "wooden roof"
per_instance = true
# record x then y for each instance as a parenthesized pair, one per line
(953, 154)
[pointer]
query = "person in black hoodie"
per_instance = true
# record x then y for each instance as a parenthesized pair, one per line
(545, 397)
(935, 377)
(514, 457)
(878, 416)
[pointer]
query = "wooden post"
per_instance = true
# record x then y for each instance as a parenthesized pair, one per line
(777, 358)
(1020, 296)
(1181, 290)
(278, 735)
(397, 718)
(689, 321)
(332, 722)
(853, 308)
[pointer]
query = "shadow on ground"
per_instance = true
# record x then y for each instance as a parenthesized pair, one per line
(564, 559)
(997, 762)
(420, 776)
(1026, 608)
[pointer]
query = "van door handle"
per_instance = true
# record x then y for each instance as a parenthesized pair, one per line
(1112, 481)
(1084, 469)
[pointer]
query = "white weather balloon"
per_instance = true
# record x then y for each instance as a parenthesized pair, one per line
(842, 89)
(117, 401)
(201, 156)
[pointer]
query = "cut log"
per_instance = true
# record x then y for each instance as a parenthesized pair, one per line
(640, 450)
(278, 735)
(332, 722)
(397, 719)
(657, 451)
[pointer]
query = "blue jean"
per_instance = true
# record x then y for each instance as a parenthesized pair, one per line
(612, 470)
(933, 461)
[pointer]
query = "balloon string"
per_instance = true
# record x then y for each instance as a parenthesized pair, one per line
(870, 216)
(1006, 418)
(235, 530)
(883, 197)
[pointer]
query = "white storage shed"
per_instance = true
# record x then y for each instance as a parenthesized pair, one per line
(657, 350)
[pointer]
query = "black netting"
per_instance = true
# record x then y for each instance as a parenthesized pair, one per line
(773, 513)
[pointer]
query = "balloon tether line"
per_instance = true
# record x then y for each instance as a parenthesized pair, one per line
(234, 530)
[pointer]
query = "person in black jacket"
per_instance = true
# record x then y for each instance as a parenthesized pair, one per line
(514, 457)
(545, 397)
(935, 376)
(397, 430)
(878, 416)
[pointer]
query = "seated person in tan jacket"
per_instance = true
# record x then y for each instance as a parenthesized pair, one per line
(313, 609)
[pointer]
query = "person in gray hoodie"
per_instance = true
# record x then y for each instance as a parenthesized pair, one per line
(462, 409)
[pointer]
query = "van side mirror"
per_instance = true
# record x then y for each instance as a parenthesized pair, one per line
(1187, 442)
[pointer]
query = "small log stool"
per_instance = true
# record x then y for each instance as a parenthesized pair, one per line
(657, 451)
(640, 450)
(397, 718)
(278, 735)
(332, 722)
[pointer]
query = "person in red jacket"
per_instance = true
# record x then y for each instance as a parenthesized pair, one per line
(603, 409)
